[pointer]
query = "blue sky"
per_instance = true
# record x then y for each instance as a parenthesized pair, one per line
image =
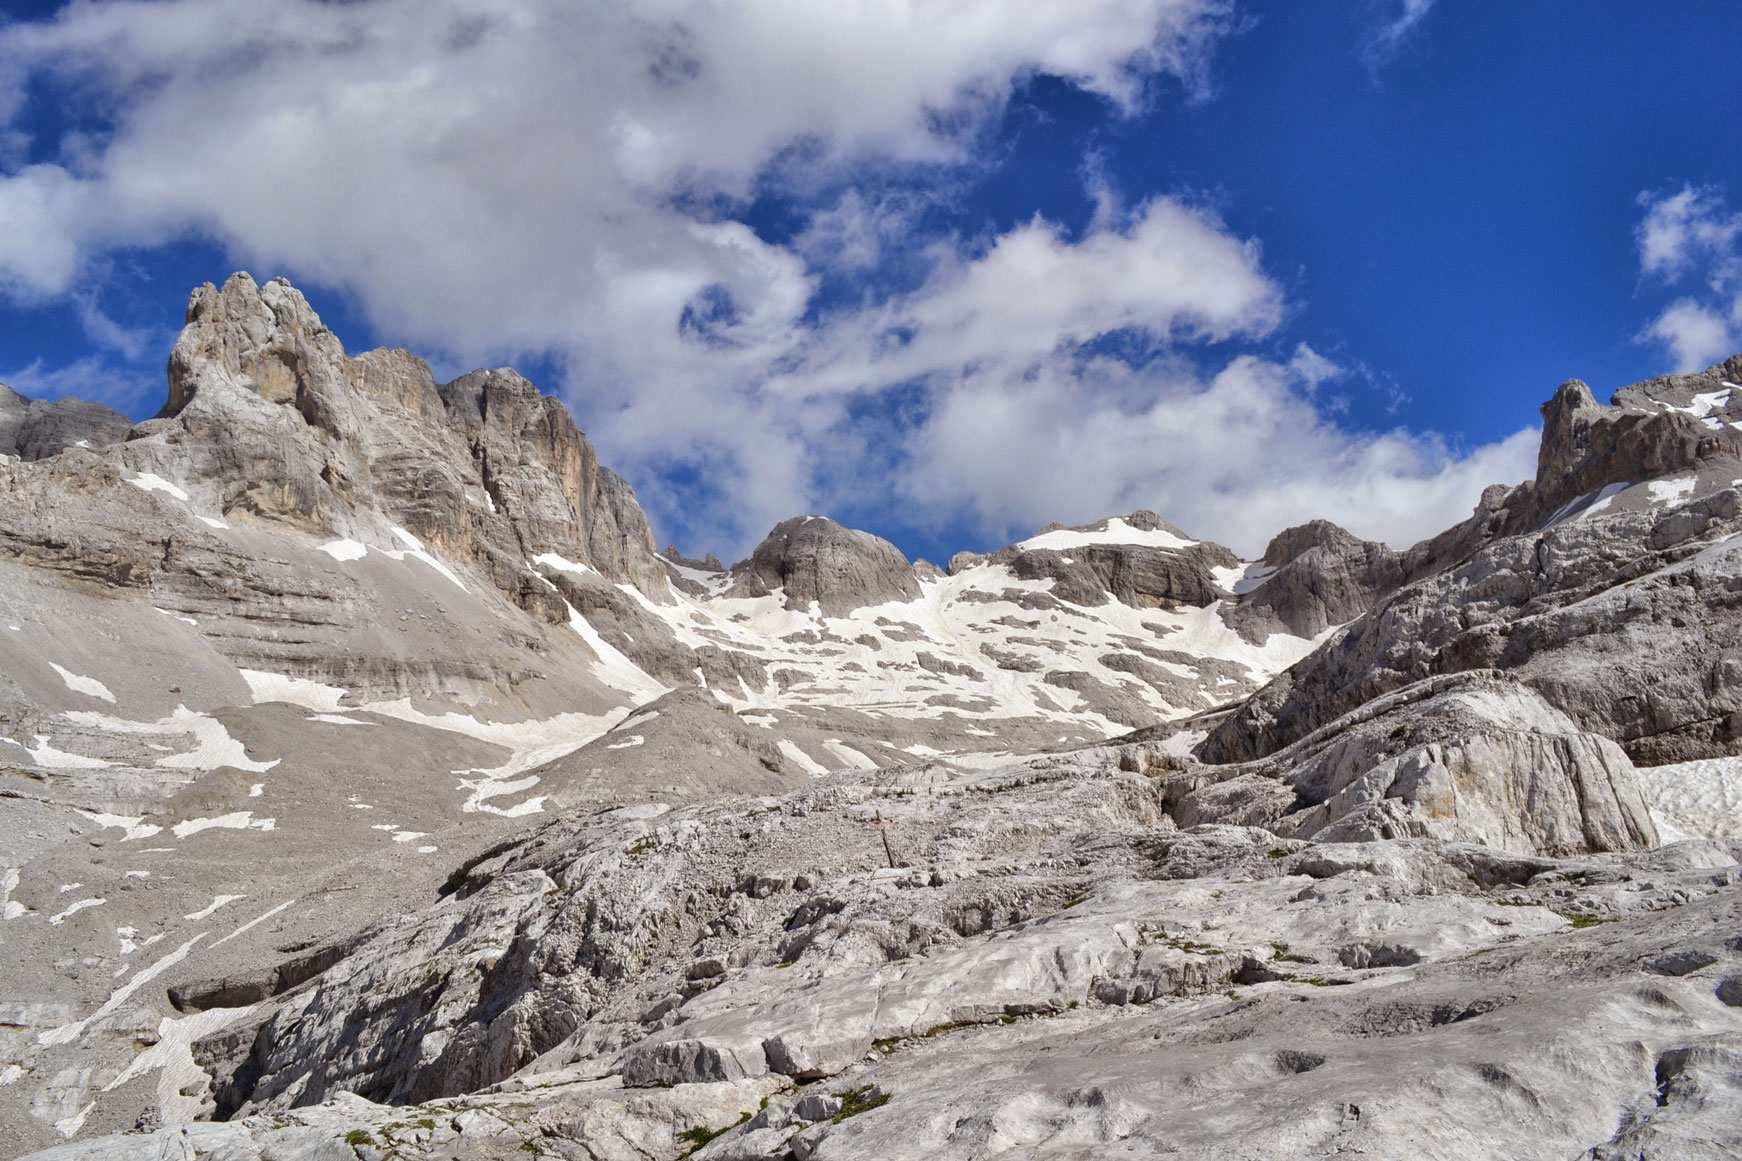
(943, 271)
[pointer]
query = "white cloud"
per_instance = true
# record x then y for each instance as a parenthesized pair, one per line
(1169, 271)
(1237, 456)
(1390, 35)
(490, 178)
(1691, 236)
(88, 378)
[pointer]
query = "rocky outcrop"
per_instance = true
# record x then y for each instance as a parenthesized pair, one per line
(266, 408)
(34, 429)
(1473, 758)
(1314, 576)
(1615, 603)
(1136, 575)
(811, 558)
(762, 954)
(1091, 565)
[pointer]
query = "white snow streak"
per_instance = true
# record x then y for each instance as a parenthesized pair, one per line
(81, 684)
(148, 482)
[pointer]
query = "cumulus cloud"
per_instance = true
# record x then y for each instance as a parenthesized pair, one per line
(1238, 455)
(494, 178)
(1691, 237)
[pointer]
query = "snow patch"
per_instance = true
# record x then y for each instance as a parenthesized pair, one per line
(531, 743)
(67, 1033)
(213, 746)
(635, 740)
(1116, 532)
(805, 761)
(850, 758)
(255, 922)
(345, 550)
(630, 723)
(1672, 491)
(45, 755)
(416, 552)
(149, 482)
(235, 820)
(135, 828)
(1252, 576)
(1605, 496)
(172, 1059)
(301, 691)
(564, 564)
(612, 667)
(216, 903)
(1706, 402)
(68, 1126)
(78, 683)
(8, 884)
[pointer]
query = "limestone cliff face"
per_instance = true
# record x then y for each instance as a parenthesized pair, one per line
(1604, 584)
(265, 403)
(540, 470)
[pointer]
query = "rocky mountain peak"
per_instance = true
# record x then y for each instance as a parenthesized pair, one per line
(1663, 426)
(1292, 542)
(34, 429)
(264, 339)
(1311, 577)
(266, 406)
(815, 559)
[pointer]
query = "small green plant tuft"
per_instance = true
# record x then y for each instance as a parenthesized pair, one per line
(859, 1100)
(1580, 922)
(1276, 853)
(641, 845)
(699, 1135)
(1080, 899)
(1281, 954)
(359, 1137)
